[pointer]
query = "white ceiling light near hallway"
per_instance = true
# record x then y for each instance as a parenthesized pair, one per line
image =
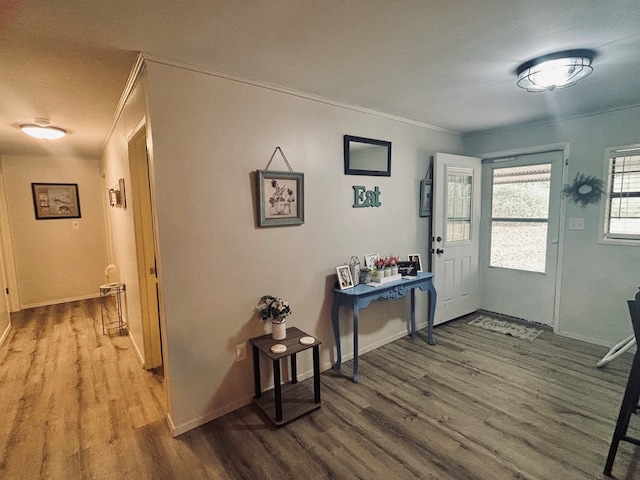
(556, 70)
(43, 130)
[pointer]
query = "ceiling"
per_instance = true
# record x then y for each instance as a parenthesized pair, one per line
(444, 63)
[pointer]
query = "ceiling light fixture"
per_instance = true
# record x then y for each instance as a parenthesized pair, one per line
(41, 129)
(556, 70)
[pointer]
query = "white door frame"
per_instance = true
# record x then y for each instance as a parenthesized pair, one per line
(565, 147)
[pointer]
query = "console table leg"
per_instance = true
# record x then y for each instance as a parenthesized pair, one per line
(355, 343)
(277, 389)
(432, 312)
(413, 313)
(335, 310)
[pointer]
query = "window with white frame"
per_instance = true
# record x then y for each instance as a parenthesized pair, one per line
(622, 201)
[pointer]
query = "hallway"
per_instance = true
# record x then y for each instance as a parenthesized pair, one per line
(75, 402)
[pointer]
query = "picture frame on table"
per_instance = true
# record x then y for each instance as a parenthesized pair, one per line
(280, 198)
(344, 277)
(56, 200)
(370, 259)
(415, 257)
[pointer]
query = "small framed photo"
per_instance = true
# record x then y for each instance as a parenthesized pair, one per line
(344, 277)
(370, 259)
(56, 200)
(425, 198)
(415, 257)
(408, 269)
(280, 198)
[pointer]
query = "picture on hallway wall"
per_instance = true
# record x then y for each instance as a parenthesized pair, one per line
(280, 198)
(56, 200)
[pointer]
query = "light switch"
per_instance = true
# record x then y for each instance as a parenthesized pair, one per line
(576, 224)
(75, 225)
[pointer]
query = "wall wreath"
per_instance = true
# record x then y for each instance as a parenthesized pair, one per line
(584, 190)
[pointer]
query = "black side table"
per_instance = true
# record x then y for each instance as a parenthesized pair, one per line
(296, 395)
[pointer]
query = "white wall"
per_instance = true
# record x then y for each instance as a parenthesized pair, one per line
(210, 135)
(115, 164)
(54, 262)
(597, 279)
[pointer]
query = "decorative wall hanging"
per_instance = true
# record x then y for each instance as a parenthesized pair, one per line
(584, 190)
(117, 196)
(280, 196)
(425, 194)
(56, 200)
(366, 198)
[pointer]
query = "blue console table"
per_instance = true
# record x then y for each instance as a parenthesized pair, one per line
(362, 295)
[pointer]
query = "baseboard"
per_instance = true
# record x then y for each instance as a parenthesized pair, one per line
(5, 334)
(59, 301)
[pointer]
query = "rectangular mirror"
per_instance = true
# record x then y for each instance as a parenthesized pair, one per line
(366, 156)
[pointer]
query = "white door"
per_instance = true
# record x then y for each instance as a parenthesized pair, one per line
(521, 220)
(456, 234)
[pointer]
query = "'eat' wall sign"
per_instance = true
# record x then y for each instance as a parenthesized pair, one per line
(366, 198)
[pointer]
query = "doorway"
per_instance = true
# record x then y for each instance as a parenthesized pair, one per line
(520, 230)
(456, 238)
(145, 248)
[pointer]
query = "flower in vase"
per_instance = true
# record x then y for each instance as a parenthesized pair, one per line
(273, 308)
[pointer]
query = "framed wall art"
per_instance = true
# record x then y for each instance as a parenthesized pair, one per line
(280, 198)
(56, 200)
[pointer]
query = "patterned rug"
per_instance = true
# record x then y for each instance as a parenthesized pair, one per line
(508, 328)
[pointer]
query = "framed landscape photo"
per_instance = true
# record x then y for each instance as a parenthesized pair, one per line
(56, 200)
(280, 198)
(415, 257)
(344, 277)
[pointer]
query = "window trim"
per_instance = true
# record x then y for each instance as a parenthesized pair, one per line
(614, 239)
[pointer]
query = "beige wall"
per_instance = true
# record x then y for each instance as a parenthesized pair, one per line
(115, 164)
(210, 135)
(54, 262)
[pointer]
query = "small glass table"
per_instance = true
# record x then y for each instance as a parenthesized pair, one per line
(286, 402)
(116, 290)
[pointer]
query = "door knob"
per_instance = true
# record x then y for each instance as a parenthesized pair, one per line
(439, 251)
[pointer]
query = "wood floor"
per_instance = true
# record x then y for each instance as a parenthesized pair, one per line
(75, 404)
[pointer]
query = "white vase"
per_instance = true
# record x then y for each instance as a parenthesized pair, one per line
(279, 330)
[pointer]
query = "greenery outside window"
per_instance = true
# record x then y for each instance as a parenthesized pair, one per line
(622, 202)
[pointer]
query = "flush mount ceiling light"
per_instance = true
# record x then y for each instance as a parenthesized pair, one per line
(41, 129)
(556, 70)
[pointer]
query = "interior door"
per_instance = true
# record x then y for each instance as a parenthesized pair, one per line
(521, 225)
(456, 234)
(145, 248)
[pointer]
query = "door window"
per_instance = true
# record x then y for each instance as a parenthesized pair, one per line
(520, 217)
(459, 194)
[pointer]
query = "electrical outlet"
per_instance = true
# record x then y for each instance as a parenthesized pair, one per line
(241, 352)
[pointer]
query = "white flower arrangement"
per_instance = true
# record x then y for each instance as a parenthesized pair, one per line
(273, 308)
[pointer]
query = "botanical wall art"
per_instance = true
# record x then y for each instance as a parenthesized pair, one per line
(56, 200)
(280, 196)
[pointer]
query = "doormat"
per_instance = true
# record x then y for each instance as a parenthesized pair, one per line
(507, 328)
